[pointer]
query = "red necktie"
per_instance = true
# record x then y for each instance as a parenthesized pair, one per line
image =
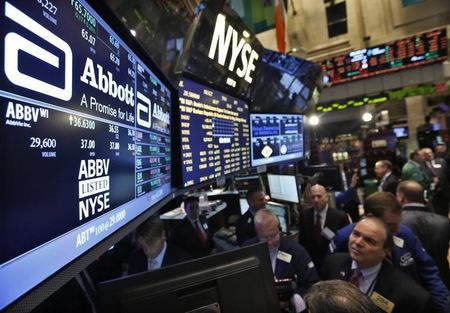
(200, 233)
(354, 278)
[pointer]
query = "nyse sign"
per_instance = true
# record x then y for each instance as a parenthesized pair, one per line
(226, 46)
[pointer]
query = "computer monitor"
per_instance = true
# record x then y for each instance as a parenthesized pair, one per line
(86, 144)
(248, 182)
(281, 211)
(401, 132)
(329, 176)
(240, 280)
(215, 139)
(276, 138)
(283, 187)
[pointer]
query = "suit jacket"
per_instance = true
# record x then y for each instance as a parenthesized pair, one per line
(334, 221)
(390, 184)
(391, 283)
(433, 231)
(185, 236)
(173, 255)
(245, 228)
(299, 265)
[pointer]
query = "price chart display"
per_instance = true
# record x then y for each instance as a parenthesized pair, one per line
(215, 139)
(85, 133)
(408, 52)
(276, 138)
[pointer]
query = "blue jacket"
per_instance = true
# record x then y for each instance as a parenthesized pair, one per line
(410, 257)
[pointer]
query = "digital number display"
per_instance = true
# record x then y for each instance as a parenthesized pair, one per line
(412, 51)
(215, 139)
(85, 133)
(276, 138)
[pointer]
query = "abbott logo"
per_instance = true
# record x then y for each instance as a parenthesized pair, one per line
(15, 43)
(144, 111)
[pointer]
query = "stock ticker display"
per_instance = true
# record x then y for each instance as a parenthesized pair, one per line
(408, 52)
(276, 138)
(85, 133)
(215, 139)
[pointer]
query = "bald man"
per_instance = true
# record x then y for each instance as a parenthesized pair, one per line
(318, 225)
(432, 229)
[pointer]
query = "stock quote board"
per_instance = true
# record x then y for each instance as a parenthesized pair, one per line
(85, 134)
(215, 139)
(424, 48)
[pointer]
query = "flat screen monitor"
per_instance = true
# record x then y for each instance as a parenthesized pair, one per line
(246, 183)
(283, 187)
(281, 212)
(329, 176)
(240, 280)
(85, 133)
(285, 83)
(276, 138)
(401, 132)
(215, 139)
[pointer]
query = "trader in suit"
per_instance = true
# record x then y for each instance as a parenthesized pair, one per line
(289, 259)
(407, 254)
(318, 225)
(154, 251)
(245, 228)
(338, 296)
(192, 233)
(388, 181)
(432, 229)
(365, 266)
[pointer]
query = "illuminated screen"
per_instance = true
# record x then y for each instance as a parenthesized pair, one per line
(214, 133)
(276, 138)
(397, 55)
(400, 132)
(283, 187)
(85, 134)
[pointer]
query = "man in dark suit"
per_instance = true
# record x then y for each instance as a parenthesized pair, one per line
(154, 251)
(318, 225)
(192, 233)
(432, 229)
(365, 266)
(437, 169)
(388, 181)
(289, 259)
(245, 228)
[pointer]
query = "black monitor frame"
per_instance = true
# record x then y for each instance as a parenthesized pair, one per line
(31, 299)
(238, 280)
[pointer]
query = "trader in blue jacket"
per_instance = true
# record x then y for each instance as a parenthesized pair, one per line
(407, 254)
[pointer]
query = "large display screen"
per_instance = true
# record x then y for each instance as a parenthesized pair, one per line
(221, 49)
(412, 51)
(85, 136)
(215, 139)
(276, 138)
(285, 83)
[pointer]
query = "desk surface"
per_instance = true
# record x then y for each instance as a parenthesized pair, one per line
(212, 209)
